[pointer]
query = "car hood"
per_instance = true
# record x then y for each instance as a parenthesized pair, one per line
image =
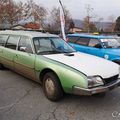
(87, 64)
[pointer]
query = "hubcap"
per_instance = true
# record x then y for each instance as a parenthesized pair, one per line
(49, 85)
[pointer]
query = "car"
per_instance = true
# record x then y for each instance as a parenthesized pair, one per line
(106, 47)
(49, 60)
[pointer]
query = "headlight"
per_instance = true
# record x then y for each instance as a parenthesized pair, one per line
(94, 82)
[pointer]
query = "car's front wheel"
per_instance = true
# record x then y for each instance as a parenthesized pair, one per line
(52, 87)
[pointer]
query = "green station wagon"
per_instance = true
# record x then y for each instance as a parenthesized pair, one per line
(49, 60)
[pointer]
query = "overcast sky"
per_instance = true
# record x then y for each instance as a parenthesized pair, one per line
(77, 8)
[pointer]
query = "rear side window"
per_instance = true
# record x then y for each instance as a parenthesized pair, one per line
(72, 39)
(3, 39)
(12, 42)
(25, 45)
(83, 41)
(93, 42)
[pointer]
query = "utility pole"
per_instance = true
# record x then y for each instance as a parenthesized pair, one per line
(88, 9)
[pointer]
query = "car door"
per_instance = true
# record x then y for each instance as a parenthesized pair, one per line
(9, 51)
(3, 39)
(24, 60)
(95, 48)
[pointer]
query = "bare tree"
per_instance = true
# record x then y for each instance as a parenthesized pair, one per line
(37, 13)
(112, 23)
(53, 23)
(92, 26)
(13, 13)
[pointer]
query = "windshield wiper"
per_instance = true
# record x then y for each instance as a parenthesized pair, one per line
(48, 52)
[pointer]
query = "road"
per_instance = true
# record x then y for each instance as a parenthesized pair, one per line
(23, 99)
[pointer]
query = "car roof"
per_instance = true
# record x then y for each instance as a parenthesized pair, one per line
(31, 34)
(90, 36)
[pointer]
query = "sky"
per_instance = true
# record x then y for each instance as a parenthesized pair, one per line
(99, 8)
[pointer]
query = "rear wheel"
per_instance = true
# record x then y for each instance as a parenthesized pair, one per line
(52, 87)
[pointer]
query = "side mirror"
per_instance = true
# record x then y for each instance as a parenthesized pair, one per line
(98, 46)
(23, 49)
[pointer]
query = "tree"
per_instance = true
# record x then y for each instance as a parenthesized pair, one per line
(72, 24)
(37, 13)
(12, 13)
(111, 27)
(88, 25)
(117, 25)
(53, 23)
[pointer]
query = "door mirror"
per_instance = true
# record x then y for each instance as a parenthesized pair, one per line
(98, 46)
(23, 49)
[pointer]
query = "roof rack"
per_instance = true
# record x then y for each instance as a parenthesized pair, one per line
(43, 31)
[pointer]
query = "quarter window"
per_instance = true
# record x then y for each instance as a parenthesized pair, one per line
(25, 45)
(93, 42)
(83, 41)
(3, 39)
(12, 42)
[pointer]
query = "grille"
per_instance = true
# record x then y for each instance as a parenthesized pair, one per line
(111, 79)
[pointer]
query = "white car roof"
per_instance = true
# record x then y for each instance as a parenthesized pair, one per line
(31, 34)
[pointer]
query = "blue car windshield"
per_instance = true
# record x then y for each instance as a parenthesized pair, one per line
(110, 43)
(51, 45)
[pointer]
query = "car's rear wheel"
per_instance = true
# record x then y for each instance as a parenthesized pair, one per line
(52, 87)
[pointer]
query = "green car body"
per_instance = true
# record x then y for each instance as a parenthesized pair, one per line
(35, 66)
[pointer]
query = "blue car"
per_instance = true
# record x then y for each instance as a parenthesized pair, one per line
(103, 46)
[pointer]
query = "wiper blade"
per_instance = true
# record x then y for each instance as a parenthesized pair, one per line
(69, 54)
(48, 52)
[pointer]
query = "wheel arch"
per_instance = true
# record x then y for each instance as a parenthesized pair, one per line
(44, 71)
(116, 61)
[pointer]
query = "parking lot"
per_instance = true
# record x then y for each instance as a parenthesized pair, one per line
(23, 99)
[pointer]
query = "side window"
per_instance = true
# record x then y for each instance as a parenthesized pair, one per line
(83, 41)
(42, 44)
(94, 42)
(25, 45)
(12, 42)
(3, 39)
(72, 39)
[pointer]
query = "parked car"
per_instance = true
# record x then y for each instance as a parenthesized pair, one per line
(49, 60)
(106, 47)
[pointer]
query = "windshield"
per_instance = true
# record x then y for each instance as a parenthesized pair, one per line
(51, 46)
(110, 43)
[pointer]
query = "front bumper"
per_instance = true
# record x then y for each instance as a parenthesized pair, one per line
(101, 89)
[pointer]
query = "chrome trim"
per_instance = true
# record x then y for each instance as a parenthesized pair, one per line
(83, 91)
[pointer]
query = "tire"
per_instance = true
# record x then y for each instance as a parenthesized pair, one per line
(1, 67)
(52, 87)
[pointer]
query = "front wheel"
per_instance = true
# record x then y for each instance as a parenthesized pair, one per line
(52, 87)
